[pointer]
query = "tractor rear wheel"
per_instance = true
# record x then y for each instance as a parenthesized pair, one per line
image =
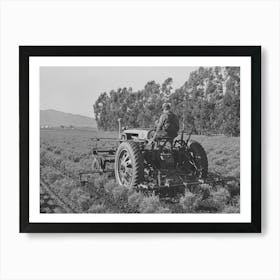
(200, 158)
(129, 164)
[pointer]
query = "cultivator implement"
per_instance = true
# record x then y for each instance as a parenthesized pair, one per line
(171, 188)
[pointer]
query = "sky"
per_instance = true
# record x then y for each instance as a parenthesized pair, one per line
(75, 89)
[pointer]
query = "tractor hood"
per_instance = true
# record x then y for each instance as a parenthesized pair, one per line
(137, 133)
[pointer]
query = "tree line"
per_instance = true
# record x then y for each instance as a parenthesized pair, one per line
(208, 102)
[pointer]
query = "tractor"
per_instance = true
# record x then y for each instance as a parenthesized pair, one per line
(167, 166)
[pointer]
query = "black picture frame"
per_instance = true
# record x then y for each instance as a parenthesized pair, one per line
(25, 52)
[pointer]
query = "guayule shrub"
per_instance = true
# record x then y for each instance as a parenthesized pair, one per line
(231, 209)
(188, 201)
(57, 162)
(72, 168)
(208, 205)
(42, 153)
(100, 181)
(51, 175)
(234, 188)
(66, 154)
(99, 208)
(57, 151)
(205, 191)
(221, 196)
(86, 163)
(110, 185)
(119, 197)
(150, 204)
(65, 186)
(135, 199)
(81, 197)
(163, 210)
(234, 205)
(120, 194)
(76, 158)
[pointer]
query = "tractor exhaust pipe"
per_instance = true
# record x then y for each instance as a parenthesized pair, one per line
(120, 127)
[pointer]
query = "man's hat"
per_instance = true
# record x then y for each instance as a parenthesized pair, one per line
(166, 106)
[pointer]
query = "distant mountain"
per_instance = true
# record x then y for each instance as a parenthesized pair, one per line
(55, 118)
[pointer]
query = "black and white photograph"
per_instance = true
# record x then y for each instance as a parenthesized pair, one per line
(140, 139)
(136, 135)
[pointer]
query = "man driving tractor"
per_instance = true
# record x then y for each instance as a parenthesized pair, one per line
(167, 125)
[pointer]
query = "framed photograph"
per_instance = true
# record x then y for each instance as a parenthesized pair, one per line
(140, 138)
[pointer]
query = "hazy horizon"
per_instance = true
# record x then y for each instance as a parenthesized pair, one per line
(50, 109)
(75, 89)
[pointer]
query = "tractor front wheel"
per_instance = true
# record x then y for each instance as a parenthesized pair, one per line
(129, 165)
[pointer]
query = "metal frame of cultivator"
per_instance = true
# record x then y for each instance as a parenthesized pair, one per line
(165, 181)
(188, 183)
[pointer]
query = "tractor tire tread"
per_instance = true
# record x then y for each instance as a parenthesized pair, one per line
(198, 150)
(137, 158)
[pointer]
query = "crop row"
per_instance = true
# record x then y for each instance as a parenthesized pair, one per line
(103, 195)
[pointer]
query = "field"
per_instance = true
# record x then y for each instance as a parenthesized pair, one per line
(64, 153)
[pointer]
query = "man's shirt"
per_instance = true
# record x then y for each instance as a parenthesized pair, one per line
(169, 123)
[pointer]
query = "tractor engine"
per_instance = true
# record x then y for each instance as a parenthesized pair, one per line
(160, 159)
(167, 160)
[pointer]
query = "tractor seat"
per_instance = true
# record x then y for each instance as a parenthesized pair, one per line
(162, 141)
(170, 139)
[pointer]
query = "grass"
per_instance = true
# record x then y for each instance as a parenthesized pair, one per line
(223, 153)
(69, 152)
